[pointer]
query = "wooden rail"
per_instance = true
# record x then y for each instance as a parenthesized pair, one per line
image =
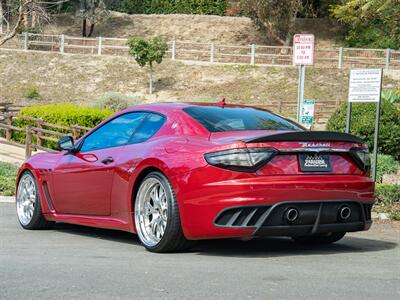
(210, 52)
(36, 131)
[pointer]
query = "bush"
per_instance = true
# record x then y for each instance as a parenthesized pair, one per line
(386, 165)
(32, 92)
(392, 96)
(61, 114)
(115, 102)
(388, 193)
(8, 173)
(363, 125)
(202, 7)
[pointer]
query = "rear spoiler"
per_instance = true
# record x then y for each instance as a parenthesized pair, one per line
(302, 136)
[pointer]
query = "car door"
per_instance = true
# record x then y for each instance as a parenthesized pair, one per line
(82, 181)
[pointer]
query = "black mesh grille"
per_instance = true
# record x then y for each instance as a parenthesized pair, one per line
(241, 216)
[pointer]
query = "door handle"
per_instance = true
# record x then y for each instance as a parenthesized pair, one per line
(107, 160)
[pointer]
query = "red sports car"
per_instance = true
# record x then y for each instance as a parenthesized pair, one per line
(177, 172)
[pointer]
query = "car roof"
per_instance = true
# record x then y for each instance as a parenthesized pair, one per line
(167, 108)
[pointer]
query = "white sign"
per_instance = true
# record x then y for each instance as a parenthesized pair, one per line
(307, 115)
(365, 85)
(303, 49)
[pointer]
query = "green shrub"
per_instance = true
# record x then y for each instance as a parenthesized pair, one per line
(386, 165)
(32, 92)
(61, 114)
(203, 7)
(115, 102)
(388, 193)
(8, 173)
(363, 125)
(392, 95)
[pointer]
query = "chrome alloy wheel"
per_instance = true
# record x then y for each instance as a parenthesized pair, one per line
(26, 199)
(151, 211)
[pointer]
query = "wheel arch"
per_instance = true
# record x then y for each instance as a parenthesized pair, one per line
(139, 178)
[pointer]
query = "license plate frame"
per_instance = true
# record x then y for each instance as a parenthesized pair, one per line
(315, 162)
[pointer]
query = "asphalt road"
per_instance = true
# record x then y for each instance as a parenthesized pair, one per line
(73, 262)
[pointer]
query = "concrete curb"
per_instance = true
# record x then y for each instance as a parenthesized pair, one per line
(7, 199)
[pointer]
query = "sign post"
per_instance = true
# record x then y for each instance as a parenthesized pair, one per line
(365, 85)
(303, 54)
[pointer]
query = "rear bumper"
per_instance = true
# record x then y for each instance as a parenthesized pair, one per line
(204, 193)
(312, 217)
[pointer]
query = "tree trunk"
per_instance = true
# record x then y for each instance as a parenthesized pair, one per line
(84, 27)
(91, 30)
(1, 16)
(151, 79)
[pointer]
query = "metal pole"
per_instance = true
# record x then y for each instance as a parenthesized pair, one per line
(173, 50)
(377, 118)
(26, 41)
(340, 62)
(387, 58)
(253, 54)
(99, 43)
(62, 43)
(212, 51)
(300, 93)
(348, 118)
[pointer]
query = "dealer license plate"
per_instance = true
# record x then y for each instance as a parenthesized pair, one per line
(314, 162)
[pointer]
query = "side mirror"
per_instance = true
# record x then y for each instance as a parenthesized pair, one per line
(65, 143)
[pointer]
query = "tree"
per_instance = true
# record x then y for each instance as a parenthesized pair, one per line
(371, 23)
(91, 12)
(277, 17)
(146, 52)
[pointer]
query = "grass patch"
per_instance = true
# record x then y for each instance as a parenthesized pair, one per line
(8, 173)
(389, 195)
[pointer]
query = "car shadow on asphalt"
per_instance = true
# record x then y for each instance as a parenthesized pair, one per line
(262, 247)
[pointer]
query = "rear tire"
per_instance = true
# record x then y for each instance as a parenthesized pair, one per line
(28, 203)
(329, 238)
(157, 217)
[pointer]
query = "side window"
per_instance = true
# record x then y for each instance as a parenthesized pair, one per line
(116, 132)
(148, 128)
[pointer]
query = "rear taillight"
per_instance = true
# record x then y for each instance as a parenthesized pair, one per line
(241, 160)
(362, 158)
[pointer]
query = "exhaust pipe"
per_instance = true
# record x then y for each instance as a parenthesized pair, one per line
(344, 212)
(291, 214)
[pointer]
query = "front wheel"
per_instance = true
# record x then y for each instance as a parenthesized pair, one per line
(157, 216)
(328, 238)
(29, 209)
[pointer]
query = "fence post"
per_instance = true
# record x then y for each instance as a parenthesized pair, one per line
(62, 43)
(387, 58)
(26, 41)
(9, 130)
(75, 132)
(173, 50)
(253, 54)
(99, 44)
(28, 142)
(340, 62)
(212, 52)
(39, 133)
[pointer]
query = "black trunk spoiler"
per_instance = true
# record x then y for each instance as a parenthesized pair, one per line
(303, 136)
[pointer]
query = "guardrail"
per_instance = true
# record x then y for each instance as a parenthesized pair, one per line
(37, 131)
(210, 52)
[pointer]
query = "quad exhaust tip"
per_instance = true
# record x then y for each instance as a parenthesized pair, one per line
(291, 214)
(344, 212)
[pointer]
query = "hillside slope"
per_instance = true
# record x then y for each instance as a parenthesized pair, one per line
(197, 28)
(82, 79)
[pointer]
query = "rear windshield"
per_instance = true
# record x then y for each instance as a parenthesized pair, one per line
(219, 119)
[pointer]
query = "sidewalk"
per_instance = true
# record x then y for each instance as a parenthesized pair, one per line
(11, 154)
(7, 199)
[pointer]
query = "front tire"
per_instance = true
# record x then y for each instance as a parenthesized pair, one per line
(329, 238)
(157, 216)
(29, 209)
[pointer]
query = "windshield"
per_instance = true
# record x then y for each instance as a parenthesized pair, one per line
(219, 119)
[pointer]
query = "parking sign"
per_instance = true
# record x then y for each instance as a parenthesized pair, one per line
(303, 49)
